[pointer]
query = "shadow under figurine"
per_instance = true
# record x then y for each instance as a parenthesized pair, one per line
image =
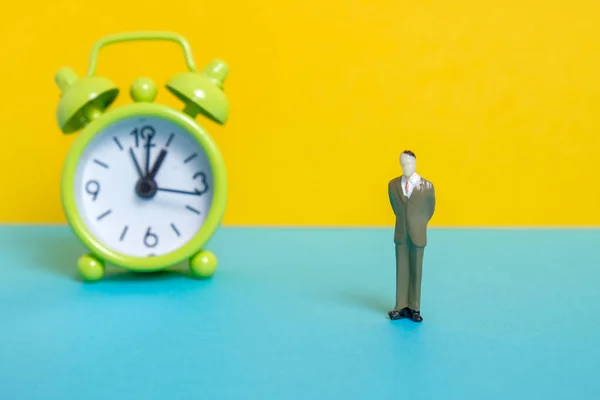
(413, 201)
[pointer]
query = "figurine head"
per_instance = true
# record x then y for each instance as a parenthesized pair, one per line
(408, 162)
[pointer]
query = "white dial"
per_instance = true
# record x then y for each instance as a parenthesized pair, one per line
(143, 217)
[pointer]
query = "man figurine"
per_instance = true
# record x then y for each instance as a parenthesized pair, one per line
(413, 201)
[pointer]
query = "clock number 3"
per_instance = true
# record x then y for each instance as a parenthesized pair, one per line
(150, 239)
(202, 177)
(92, 188)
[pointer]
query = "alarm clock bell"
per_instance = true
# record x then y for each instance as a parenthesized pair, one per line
(202, 93)
(85, 99)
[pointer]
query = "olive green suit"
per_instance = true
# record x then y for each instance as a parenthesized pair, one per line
(410, 237)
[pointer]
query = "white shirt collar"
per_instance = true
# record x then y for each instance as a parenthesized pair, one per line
(412, 180)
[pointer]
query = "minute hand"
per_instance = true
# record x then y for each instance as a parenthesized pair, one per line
(195, 192)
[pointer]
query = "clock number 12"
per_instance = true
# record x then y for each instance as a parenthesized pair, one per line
(141, 133)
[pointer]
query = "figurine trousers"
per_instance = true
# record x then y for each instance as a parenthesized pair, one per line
(409, 263)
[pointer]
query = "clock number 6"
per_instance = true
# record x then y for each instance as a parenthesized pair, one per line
(92, 188)
(150, 239)
(202, 177)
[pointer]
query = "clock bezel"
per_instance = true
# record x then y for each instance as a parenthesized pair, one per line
(216, 210)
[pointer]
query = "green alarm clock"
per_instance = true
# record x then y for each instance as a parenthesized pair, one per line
(143, 186)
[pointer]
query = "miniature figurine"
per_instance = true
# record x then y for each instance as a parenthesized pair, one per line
(413, 201)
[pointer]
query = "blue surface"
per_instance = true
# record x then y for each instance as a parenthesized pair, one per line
(302, 314)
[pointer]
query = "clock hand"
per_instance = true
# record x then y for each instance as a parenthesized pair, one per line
(137, 165)
(196, 192)
(148, 145)
(157, 164)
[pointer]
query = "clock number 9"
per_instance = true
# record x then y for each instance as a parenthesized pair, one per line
(92, 188)
(202, 177)
(150, 239)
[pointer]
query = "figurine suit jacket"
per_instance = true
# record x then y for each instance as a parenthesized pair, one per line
(412, 214)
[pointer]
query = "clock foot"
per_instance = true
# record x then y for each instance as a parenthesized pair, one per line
(203, 264)
(90, 268)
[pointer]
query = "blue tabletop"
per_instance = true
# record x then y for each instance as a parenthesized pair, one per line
(302, 314)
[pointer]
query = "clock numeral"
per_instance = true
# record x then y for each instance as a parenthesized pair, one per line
(93, 189)
(136, 134)
(175, 229)
(202, 177)
(141, 133)
(150, 239)
(150, 135)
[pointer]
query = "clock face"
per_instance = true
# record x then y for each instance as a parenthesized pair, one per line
(143, 186)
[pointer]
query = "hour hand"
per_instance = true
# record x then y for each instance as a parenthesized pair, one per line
(195, 192)
(157, 164)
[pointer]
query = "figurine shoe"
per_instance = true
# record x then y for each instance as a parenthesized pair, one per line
(416, 316)
(399, 314)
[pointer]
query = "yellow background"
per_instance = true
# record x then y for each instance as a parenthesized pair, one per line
(500, 100)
